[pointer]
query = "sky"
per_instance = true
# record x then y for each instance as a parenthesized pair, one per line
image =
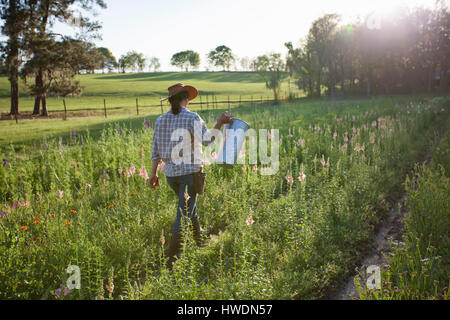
(250, 28)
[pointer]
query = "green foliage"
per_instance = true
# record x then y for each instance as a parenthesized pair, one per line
(418, 268)
(222, 56)
(185, 59)
(269, 238)
(271, 69)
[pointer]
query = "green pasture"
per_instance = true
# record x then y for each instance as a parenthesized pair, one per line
(121, 90)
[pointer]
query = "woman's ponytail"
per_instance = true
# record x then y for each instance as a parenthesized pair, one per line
(175, 101)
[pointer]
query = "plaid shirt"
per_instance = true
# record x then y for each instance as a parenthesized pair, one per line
(162, 148)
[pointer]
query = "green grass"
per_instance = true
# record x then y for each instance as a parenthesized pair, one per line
(306, 237)
(121, 90)
(419, 268)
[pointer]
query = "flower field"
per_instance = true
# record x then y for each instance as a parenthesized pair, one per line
(297, 234)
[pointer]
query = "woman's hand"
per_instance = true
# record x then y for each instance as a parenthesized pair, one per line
(154, 181)
(226, 117)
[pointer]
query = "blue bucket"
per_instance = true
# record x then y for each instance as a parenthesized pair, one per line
(233, 137)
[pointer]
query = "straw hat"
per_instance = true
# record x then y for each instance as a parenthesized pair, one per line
(179, 87)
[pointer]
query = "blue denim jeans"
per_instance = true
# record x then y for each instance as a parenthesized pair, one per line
(185, 209)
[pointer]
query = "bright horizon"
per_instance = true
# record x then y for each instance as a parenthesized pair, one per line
(250, 28)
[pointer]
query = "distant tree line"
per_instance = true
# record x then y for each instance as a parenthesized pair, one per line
(408, 54)
(377, 56)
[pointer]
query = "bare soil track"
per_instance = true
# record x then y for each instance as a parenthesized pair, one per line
(391, 230)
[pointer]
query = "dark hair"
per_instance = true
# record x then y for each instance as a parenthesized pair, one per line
(176, 99)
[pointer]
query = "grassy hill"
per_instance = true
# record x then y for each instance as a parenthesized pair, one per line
(121, 90)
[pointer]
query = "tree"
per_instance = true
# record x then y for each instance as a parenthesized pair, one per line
(185, 59)
(320, 42)
(14, 15)
(60, 64)
(221, 57)
(154, 64)
(271, 68)
(244, 62)
(125, 63)
(300, 64)
(132, 60)
(39, 40)
(108, 61)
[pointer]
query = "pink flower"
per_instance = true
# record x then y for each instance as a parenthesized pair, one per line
(214, 156)
(110, 288)
(66, 291)
(161, 166)
(58, 292)
(249, 221)
(206, 163)
(2, 215)
(301, 176)
(186, 196)
(300, 143)
(255, 168)
(335, 135)
(162, 239)
(132, 169)
(16, 205)
(59, 193)
(88, 186)
(127, 174)
(244, 169)
(143, 173)
(120, 171)
(289, 179)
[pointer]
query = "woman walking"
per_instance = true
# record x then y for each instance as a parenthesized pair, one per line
(181, 165)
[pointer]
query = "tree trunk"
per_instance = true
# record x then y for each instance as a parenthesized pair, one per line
(44, 111)
(430, 79)
(318, 93)
(369, 82)
(13, 61)
(37, 104)
(444, 79)
(368, 89)
(38, 82)
(14, 91)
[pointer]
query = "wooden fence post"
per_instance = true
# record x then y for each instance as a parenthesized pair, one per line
(104, 104)
(65, 109)
(137, 106)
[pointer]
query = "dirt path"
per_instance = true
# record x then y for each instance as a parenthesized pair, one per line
(391, 229)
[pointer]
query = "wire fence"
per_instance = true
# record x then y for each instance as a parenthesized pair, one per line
(205, 102)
